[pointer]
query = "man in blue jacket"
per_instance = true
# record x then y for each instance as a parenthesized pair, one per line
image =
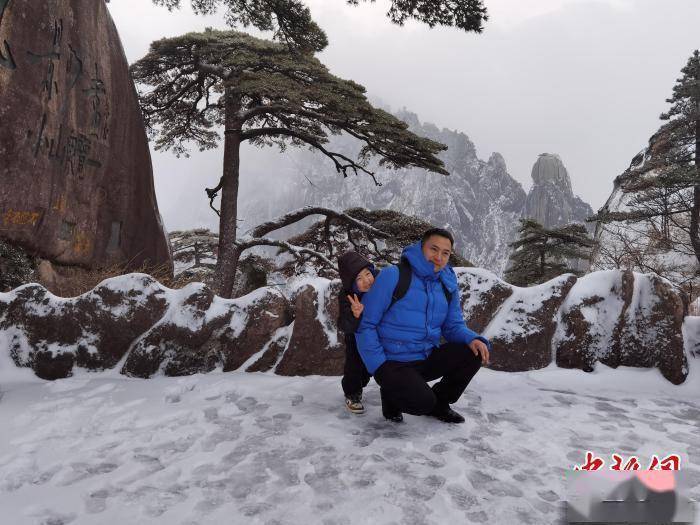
(399, 341)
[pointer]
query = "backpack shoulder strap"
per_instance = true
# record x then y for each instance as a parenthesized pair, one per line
(405, 276)
(404, 282)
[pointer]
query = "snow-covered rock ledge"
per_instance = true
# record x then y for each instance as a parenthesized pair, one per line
(134, 323)
(614, 317)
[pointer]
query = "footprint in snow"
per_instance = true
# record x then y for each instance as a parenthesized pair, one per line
(426, 488)
(461, 497)
(44, 516)
(477, 517)
(296, 399)
(440, 448)
(81, 471)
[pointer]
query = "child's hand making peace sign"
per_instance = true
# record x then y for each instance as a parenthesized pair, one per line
(356, 306)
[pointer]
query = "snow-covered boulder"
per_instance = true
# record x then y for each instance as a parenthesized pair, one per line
(95, 330)
(482, 294)
(589, 317)
(650, 331)
(522, 329)
(613, 317)
(174, 342)
(272, 352)
(200, 331)
(176, 332)
(622, 318)
(314, 346)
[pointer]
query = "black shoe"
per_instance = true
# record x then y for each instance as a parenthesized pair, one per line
(391, 414)
(396, 417)
(446, 414)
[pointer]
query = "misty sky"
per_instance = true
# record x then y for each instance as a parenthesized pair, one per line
(586, 79)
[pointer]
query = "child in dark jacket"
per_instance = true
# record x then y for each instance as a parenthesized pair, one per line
(357, 276)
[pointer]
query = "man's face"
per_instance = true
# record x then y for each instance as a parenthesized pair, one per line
(364, 280)
(437, 250)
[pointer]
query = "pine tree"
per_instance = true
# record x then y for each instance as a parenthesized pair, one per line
(290, 20)
(682, 160)
(671, 196)
(540, 254)
(266, 94)
(195, 249)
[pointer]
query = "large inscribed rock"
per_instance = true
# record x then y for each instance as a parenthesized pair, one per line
(76, 183)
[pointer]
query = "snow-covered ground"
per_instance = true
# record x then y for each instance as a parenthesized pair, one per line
(259, 448)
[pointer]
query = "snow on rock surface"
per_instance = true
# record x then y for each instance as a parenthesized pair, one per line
(482, 294)
(176, 332)
(52, 334)
(266, 449)
(144, 329)
(623, 318)
(521, 332)
(314, 347)
(589, 316)
(651, 332)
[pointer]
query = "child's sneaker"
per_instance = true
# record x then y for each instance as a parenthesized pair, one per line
(354, 404)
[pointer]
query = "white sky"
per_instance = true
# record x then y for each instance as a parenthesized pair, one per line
(586, 79)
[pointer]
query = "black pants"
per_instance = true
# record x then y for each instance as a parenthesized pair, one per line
(404, 386)
(355, 375)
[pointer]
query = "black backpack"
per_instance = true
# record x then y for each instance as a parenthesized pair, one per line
(405, 276)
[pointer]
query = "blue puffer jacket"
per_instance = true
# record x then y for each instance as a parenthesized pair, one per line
(410, 329)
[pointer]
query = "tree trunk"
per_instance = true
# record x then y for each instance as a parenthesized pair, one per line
(227, 261)
(695, 212)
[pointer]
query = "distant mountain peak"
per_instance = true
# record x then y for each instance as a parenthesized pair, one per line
(549, 169)
(497, 161)
(551, 200)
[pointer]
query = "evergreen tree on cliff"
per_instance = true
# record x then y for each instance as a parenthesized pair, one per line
(540, 254)
(290, 20)
(672, 196)
(263, 93)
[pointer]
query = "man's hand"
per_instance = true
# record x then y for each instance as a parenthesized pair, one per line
(356, 306)
(480, 349)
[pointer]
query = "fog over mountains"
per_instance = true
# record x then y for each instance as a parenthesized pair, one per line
(480, 202)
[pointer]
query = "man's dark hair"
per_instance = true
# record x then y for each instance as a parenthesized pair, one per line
(440, 232)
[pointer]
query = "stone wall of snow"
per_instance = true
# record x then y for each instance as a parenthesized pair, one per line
(134, 323)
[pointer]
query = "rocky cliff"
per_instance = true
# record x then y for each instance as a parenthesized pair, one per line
(76, 183)
(657, 245)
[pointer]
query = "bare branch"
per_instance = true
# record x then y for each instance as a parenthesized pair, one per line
(297, 251)
(312, 141)
(212, 194)
(297, 215)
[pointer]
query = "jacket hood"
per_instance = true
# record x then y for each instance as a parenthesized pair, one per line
(424, 269)
(349, 265)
